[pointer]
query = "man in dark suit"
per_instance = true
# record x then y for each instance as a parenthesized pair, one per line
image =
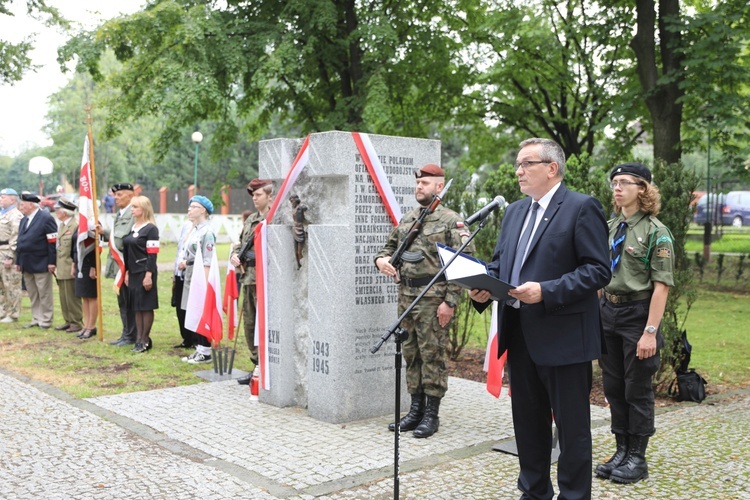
(553, 246)
(36, 258)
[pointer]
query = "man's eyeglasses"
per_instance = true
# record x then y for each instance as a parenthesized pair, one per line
(615, 184)
(526, 164)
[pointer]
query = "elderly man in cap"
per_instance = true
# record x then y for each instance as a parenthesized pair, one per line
(122, 226)
(10, 279)
(36, 258)
(428, 324)
(67, 236)
(243, 257)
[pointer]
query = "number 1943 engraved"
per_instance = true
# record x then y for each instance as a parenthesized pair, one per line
(321, 350)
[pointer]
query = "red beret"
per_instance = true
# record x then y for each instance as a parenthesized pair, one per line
(429, 170)
(257, 183)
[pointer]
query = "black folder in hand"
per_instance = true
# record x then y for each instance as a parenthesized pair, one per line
(470, 273)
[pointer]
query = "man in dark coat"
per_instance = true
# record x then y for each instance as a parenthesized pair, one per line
(36, 258)
(553, 248)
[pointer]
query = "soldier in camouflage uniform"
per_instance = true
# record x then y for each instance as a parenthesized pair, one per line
(10, 278)
(262, 192)
(632, 308)
(428, 323)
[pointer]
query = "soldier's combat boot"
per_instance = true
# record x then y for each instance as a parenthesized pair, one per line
(430, 423)
(605, 470)
(635, 467)
(411, 420)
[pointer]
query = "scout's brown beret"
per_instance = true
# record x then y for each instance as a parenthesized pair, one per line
(257, 183)
(429, 170)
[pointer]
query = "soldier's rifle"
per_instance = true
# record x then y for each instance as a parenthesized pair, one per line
(397, 259)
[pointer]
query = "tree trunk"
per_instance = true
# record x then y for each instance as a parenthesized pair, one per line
(662, 98)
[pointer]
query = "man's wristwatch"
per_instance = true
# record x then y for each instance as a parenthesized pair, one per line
(450, 304)
(650, 329)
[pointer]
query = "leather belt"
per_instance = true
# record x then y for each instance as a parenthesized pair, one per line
(4, 242)
(631, 297)
(417, 282)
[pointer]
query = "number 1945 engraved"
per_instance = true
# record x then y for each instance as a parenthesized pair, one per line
(320, 350)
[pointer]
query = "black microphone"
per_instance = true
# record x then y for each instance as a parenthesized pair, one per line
(486, 210)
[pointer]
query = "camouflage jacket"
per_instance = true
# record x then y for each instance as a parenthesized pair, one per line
(442, 226)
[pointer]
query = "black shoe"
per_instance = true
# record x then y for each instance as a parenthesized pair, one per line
(139, 348)
(62, 327)
(123, 342)
(149, 344)
(604, 470)
(430, 423)
(74, 329)
(87, 334)
(245, 380)
(115, 342)
(634, 468)
(412, 419)
(30, 325)
(183, 345)
(82, 333)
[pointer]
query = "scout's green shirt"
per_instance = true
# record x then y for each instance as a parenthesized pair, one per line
(647, 255)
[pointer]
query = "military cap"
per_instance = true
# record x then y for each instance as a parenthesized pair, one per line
(33, 198)
(122, 186)
(256, 184)
(635, 169)
(205, 202)
(9, 191)
(429, 170)
(66, 204)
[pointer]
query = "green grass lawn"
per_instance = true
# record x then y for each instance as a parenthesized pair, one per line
(718, 327)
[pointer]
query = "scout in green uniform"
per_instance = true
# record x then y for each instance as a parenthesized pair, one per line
(633, 304)
(262, 192)
(429, 322)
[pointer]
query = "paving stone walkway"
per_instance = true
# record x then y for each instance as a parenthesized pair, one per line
(211, 441)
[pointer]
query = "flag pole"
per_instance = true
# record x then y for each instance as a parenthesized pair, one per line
(95, 198)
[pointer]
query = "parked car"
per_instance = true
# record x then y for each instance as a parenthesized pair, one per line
(735, 210)
(717, 202)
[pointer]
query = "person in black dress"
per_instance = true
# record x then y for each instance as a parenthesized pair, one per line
(85, 286)
(141, 249)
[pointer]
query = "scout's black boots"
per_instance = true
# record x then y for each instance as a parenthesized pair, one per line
(430, 423)
(412, 419)
(605, 470)
(635, 467)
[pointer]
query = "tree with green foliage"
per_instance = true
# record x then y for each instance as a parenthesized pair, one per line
(555, 69)
(15, 58)
(384, 67)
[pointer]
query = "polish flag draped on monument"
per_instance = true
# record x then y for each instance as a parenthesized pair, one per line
(86, 221)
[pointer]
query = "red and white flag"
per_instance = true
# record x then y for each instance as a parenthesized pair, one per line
(231, 294)
(494, 366)
(211, 324)
(86, 222)
(196, 293)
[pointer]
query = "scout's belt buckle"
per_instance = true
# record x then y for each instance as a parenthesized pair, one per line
(632, 297)
(412, 257)
(419, 282)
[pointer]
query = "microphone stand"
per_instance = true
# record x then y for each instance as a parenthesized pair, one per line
(399, 336)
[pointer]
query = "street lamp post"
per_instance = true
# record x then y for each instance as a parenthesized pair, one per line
(42, 166)
(707, 226)
(197, 138)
